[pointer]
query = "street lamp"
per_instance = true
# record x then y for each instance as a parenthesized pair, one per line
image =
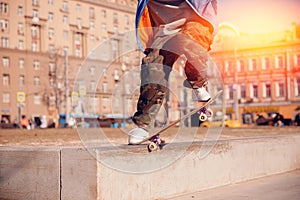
(123, 68)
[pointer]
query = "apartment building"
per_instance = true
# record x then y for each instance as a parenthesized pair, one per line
(45, 41)
(89, 46)
(261, 72)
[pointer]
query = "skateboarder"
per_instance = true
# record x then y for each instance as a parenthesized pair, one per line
(166, 30)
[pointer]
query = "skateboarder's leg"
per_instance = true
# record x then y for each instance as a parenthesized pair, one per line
(194, 47)
(152, 90)
(154, 76)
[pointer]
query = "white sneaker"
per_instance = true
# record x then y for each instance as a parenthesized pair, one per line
(137, 135)
(202, 95)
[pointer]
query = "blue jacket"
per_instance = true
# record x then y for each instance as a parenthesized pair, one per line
(206, 10)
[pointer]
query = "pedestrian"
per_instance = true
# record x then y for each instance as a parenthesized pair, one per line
(278, 120)
(167, 30)
(297, 119)
(24, 122)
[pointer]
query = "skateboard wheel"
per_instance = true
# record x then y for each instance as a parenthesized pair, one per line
(203, 117)
(209, 113)
(152, 147)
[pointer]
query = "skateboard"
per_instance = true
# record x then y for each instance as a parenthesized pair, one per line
(204, 113)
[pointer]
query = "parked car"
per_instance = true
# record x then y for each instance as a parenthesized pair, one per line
(218, 123)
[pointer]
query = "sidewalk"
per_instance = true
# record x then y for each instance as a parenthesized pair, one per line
(278, 187)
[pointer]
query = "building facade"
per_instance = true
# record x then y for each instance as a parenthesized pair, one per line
(45, 42)
(261, 72)
(64, 56)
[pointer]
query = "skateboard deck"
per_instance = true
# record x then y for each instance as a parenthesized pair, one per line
(180, 119)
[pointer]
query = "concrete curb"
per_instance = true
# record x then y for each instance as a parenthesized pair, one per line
(73, 173)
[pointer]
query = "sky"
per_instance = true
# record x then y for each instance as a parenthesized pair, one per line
(259, 16)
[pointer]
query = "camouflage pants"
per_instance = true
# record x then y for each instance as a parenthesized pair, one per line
(157, 65)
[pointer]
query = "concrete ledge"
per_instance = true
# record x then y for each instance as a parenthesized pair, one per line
(75, 173)
(229, 162)
(78, 174)
(29, 173)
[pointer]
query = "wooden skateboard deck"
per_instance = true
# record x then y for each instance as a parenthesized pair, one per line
(180, 119)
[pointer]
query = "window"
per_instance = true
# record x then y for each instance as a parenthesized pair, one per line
(36, 64)
(3, 7)
(77, 52)
(34, 31)
(253, 65)
(115, 18)
(105, 102)
(297, 61)
(5, 61)
(93, 85)
(78, 23)
(92, 70)
(65, 6)
(104, 85)
(50, 2)
(65, 20)
(34, 46)
(253, 90)
(6, 79)
(51, 33)
(243, 91)
(92, 25)
(78, 38)
(127, 88)
(51, 68)
(267, 93)
(279, 62)
(3, 24)
(297, 86)
(4, 42)
(50, 17)
(66, 35)
(36, 81)
(78, 7)
(240, 66)
(266, 63)
(116, 75)
(35, 2)
(51, 48)
(229, 67)
(103, 27)
(103, 13)
(21, 80)
(115, 30)
(114, 47)
(66, 50)
(92, 13)
(35, 14)
(92, 38)
(280, 91)
(104, 73)
(20, 11)
(21, 63)
(21, 45)
(21, 29)
(230, 92)
(37, 99)
(126, 19)
(6, 97)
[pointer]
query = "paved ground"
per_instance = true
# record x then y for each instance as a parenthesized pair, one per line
(63, 137)
(277, 187)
